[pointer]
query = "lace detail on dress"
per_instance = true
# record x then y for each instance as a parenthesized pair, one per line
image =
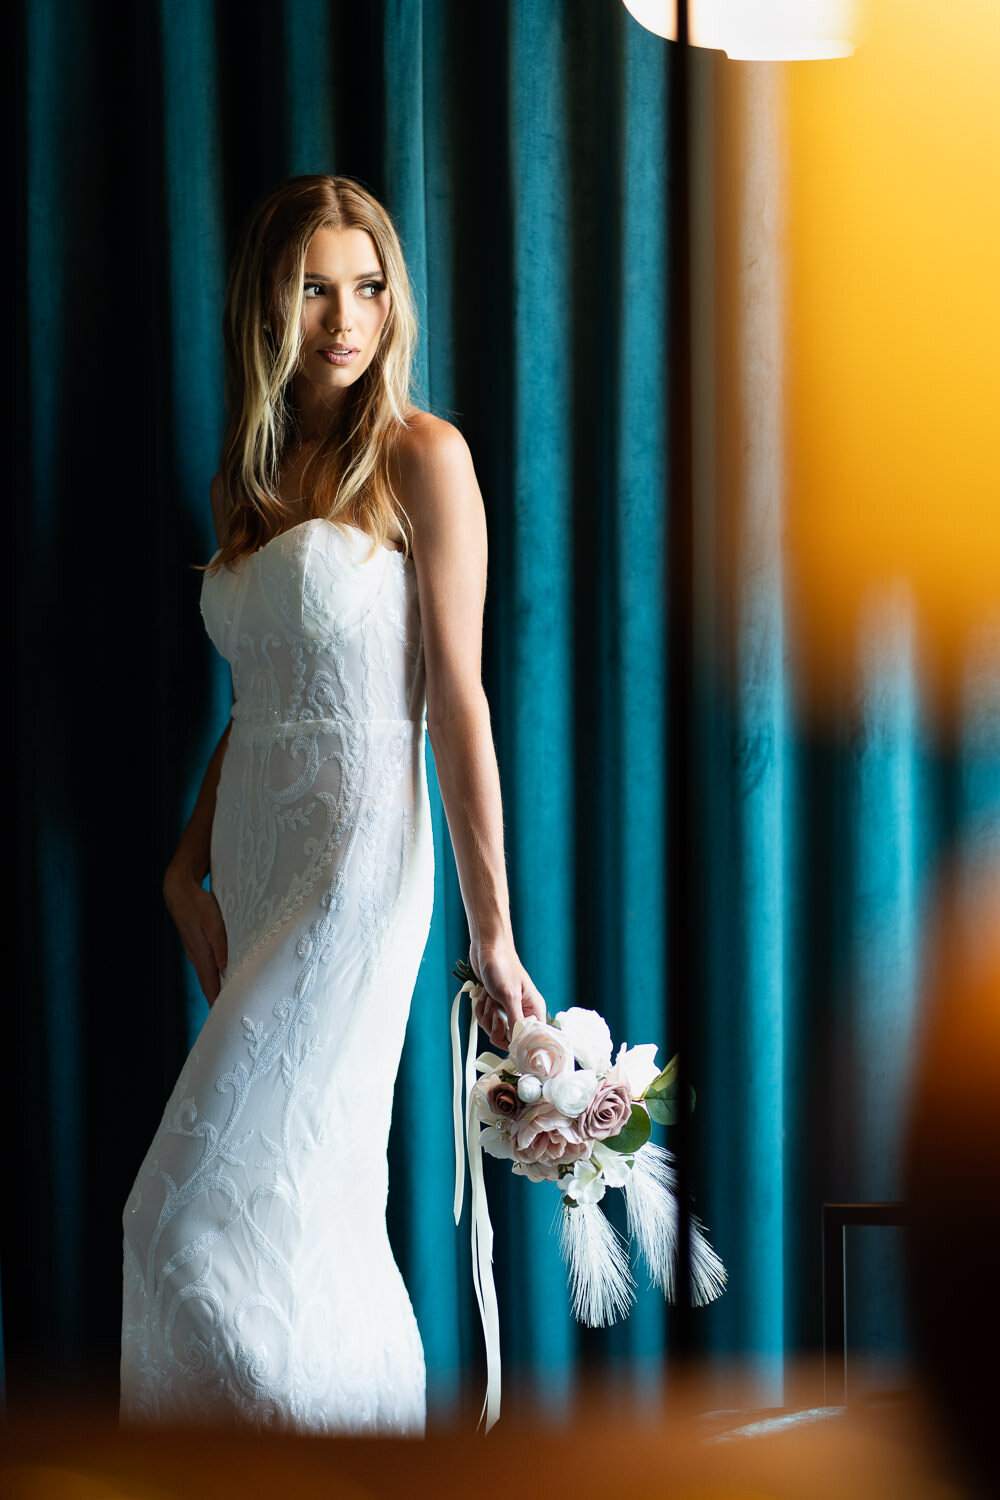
(259, 1283)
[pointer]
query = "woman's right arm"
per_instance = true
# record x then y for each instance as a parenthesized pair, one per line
(194, 910)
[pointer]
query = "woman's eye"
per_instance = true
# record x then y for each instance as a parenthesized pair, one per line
(312, 289)
(371, 288)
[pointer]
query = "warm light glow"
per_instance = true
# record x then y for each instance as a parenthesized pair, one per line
(893, 314)
(775, 30)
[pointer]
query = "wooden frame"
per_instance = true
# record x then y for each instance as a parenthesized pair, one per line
(837, 1219)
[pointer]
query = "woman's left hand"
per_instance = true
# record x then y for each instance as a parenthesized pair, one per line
(510, 995)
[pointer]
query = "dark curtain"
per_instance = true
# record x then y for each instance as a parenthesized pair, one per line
(522, 148)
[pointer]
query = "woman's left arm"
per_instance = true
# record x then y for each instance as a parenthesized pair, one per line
(441, 495)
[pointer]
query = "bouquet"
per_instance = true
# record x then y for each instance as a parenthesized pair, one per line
(563, 1107)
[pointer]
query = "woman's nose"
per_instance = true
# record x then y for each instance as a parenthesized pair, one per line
(338, 314)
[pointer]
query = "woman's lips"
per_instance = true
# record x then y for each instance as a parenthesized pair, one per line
(338, 354)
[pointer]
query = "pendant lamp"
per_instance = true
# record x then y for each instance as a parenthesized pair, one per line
(759, 30)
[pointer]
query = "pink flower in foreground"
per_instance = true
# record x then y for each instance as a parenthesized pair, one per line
(608, 1111)
(545, 1139)
(539, 1049)
(536, 1171)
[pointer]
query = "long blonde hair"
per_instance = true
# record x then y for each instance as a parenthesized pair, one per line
(349, 472)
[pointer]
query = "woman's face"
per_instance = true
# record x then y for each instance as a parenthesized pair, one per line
(345, 305)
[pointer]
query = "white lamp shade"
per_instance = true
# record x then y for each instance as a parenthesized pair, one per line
(775, 30)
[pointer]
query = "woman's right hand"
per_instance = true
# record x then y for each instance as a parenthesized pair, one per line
(198, 919)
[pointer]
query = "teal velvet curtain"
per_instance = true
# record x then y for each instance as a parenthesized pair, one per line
(522, 147)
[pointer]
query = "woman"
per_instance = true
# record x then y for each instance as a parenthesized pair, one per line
(347, 589)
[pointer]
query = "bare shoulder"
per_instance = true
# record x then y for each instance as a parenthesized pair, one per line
(427, 442)
(436, 476)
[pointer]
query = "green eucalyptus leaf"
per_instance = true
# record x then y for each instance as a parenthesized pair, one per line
(662, 1098)
(634, 1134)
(665, 1108)
(665, 1082)
(664, 1092)
(663, 1112)
(464, 972)
(669, 1073)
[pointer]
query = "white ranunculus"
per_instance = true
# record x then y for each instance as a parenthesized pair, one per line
(613, 1164)
(587, 1183)
(529, 1089)
(636, 1066)
(571, 1092)
(588, 1035)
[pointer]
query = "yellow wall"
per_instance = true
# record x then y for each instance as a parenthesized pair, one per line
(894, 323)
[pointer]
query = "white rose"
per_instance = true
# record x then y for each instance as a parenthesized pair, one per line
(529, 1089)
(571, 1092)
(636, 1066)
(588, 1035)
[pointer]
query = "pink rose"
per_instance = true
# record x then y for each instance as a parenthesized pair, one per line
(539, 1049)
(545, 1139)
(608, 1111)
(537, 1171)
(495, 1098)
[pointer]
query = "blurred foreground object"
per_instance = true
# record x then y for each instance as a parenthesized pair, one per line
(678, 1454)
(892, 330)
(952, 1176)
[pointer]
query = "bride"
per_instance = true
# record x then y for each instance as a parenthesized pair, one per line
(347, 593)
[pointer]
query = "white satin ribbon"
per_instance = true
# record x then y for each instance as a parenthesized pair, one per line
(456, 1079)
(467, 1142)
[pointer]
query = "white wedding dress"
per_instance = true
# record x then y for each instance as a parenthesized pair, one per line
(259, 1282)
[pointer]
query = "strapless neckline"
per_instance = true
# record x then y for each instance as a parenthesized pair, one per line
(337, 526)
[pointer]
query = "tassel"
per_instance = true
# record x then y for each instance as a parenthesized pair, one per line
(597, 1260)
(651, 1204)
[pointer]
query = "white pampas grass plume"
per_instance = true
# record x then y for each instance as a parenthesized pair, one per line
(708, 1274)
(597, 1260)
(651, 1204)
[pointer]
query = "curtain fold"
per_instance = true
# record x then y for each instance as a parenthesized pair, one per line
(522, 149)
